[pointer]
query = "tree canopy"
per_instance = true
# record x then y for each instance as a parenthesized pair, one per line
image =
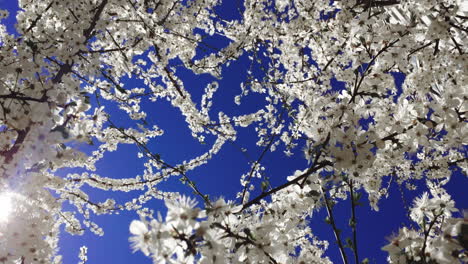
(79, 79)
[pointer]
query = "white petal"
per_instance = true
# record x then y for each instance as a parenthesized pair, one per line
(138, 228)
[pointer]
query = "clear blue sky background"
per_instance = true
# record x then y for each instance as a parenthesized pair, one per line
(221, 176)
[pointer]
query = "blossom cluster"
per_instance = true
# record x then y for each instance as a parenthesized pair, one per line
(439, 238)
(224, 234)
(87, 73)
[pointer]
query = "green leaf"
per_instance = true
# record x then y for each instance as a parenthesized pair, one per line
(314, 193)
(356, 197)
(349, 243)
(62, 130)
(264, 185)
(181, 168)
(249, 233)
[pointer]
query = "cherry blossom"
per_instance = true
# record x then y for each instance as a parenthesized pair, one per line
(87, 73)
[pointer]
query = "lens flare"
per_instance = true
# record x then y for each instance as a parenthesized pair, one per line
(5, 206)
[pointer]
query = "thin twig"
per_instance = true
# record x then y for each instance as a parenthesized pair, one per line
(426, 235)
(314, 168)
(353, 221)
(335, 229)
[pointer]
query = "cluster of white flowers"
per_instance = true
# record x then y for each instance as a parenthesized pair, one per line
(29, 234)
(71, 62)
(224, 234)
(440, 237)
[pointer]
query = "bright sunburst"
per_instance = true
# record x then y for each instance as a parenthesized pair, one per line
(5, 206)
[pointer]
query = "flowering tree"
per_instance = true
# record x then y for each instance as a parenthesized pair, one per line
(71, 59)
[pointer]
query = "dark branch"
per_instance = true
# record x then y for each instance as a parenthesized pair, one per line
(335, 229)
(87, 32)
(314, 168)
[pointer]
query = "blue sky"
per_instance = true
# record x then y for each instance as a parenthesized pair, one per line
(221, 176)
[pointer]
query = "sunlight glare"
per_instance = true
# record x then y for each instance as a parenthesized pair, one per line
(5, 206)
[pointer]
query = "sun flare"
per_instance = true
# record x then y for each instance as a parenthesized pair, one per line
(5, 206)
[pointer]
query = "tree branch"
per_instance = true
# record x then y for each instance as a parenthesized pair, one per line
(335, 229)
(87, 32)
(314, 168)
(8, 154)
(353, 221)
